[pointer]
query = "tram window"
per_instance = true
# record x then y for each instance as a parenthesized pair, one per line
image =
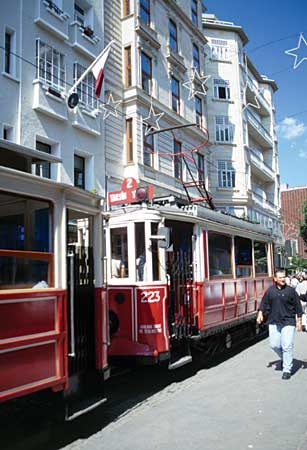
(243, 253)
(140, 251)
(25, 230)
(119, 252)
(261, 258)
(219, 254)
(155, 254)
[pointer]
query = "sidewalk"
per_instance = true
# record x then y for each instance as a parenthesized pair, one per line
(239, 404)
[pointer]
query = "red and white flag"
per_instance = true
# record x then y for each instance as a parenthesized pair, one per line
(98, 67)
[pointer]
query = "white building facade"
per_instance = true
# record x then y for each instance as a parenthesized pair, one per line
(244, 171)
(159, 46)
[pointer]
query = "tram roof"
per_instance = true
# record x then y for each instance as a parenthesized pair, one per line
(193, 213)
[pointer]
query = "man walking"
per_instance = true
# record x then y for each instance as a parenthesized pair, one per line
(281, 309)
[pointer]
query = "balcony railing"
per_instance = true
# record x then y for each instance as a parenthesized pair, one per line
(257, 158)
(84, 40)
(259, 94)
(50, 17)
(258, 125)
(262, 200)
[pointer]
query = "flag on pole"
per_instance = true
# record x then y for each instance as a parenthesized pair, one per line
(98, 67)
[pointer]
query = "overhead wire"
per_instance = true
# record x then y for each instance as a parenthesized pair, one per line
(116, 111)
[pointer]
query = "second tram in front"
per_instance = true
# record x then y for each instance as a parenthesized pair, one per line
(179, 276)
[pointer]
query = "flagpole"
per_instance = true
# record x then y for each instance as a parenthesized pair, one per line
(90, 68)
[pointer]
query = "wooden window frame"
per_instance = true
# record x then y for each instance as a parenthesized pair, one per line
(126, 7)
(129, 140)
(35, 256)
(128, 66)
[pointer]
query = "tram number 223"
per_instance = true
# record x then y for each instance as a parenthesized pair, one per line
(150, 296)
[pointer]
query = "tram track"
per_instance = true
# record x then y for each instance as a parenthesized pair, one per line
(37, 423)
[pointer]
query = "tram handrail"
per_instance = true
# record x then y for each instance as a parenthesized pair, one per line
(72, 353)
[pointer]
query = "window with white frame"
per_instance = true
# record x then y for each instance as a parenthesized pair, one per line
(50, 65)
(223, 129)
(221, 89)
(148, 149)
(200, 167)
(173, 36)
(145, 11)
(198, 110)
(85, 89)
(226, 174)
(220, 49)
(79, 171)
(83, 14)
(42, 168)
(79, 14)
(146, 72)
(9, 53)
(177, 159)
(196, 58)
(175, 95)
(194, 11)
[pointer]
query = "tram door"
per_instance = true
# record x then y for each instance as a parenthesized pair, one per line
(179, 264)
(85, 383)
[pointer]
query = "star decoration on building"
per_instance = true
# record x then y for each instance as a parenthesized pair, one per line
(301, 49)
(110, 107)
(195, 79)
(152, 121)
(255, 105)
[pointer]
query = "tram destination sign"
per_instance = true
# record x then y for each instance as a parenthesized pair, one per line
(130, 192)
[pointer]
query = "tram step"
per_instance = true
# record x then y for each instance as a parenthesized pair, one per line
(85, 393)
(89, 406)
(180, 362)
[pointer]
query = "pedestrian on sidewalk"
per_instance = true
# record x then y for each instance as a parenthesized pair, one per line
(281, 309)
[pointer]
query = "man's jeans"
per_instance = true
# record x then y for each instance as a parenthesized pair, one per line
(281, 341)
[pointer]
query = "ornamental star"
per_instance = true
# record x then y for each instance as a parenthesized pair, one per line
(297, 55)
(151, 119)
(191, 86)
(255, 105)
(110, 108)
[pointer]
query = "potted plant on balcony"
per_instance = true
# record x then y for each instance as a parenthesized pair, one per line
(88, 31)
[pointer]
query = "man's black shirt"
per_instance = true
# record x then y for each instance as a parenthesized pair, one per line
(280, 306)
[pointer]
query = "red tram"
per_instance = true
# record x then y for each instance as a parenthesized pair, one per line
(174, 276)
(179, 274)
(53, 308)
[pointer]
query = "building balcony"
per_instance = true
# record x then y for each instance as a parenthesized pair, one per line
(147, 33)
(51, 18)
(175, 60)
(49, 101)
(261, 199)
(262, 169)
(83, 40)
(253, 90)
(258, 131)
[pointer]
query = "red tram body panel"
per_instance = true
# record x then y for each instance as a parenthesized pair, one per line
(142, 328)
(33, 342)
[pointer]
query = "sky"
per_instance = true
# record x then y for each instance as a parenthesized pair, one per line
(273, 27)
